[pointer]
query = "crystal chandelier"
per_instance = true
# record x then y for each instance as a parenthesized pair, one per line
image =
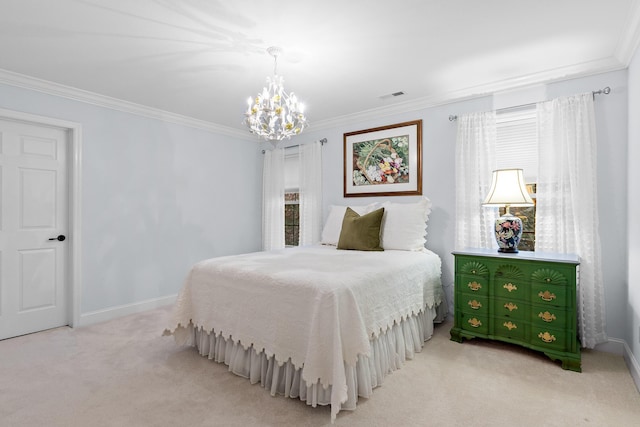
(273, 114)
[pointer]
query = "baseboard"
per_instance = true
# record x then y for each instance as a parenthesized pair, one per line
(123, 310)
(613, 345)
(620, 347)
(632, 364)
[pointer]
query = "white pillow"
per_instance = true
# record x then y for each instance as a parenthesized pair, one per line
(333, 225)
(404, 225)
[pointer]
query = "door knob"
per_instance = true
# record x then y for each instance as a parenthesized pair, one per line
(59, 238)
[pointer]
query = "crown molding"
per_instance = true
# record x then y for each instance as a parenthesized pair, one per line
(554, 75)
(549, 76)
(630, 38)
(51, 88)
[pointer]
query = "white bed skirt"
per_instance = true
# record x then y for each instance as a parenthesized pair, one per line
(389, 351)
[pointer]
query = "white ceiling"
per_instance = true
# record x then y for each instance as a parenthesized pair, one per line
(203, 58)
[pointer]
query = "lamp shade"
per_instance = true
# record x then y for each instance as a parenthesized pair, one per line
(508, 189)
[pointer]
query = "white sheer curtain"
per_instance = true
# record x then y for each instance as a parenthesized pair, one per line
(567, 211)
(273, 200)
(475, 162)
(310, 191)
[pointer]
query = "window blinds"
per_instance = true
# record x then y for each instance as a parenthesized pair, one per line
(517, 141)
(291, 170)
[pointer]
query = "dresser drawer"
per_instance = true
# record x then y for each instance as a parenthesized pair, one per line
(473, 284)
(472, 303)
(510, 328)
(549, 295)
(511, 308)
(512, 289)
(553, 339)
(475, 323)
(511, 281)
(549, 317)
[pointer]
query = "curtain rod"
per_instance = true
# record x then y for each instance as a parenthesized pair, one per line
(605, 91)
(322, 142)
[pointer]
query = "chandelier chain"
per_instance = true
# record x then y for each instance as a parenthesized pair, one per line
(275, 64)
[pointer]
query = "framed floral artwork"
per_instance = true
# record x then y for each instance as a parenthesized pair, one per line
(384, 161)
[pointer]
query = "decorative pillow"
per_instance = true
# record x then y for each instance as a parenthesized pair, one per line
(361, 233)
(404, 225)
(333, 225)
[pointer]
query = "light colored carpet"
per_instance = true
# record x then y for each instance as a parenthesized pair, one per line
(124, 373)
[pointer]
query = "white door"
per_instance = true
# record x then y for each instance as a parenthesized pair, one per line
(33, 211)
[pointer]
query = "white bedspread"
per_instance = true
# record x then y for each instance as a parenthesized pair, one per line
(316, 306)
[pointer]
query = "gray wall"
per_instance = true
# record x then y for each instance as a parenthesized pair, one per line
(438, 174)
(156, 197)
(633, 253)
(439, 135)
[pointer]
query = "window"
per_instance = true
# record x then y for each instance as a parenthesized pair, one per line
(291, 198)
(517, 147)
(291, 219)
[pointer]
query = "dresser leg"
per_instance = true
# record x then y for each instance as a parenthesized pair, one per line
(568, 363)
(459, 335)
(455, 335)
(572, 365)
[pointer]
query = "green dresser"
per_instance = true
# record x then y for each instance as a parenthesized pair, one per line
(526, 298)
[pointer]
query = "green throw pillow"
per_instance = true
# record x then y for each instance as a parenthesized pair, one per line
(361, 233)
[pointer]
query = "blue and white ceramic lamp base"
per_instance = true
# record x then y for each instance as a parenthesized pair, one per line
(508, 233)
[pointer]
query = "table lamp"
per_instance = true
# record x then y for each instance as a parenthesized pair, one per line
(508, 189)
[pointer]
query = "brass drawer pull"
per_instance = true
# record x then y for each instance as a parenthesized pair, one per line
(474, 322)
(546, 337)
(511, 306)
(547, 317)
(510, 325)
(547, 296)
(474, 286)
(510, 287)
(474, 304)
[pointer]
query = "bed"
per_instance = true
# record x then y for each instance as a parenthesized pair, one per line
(317, 323)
